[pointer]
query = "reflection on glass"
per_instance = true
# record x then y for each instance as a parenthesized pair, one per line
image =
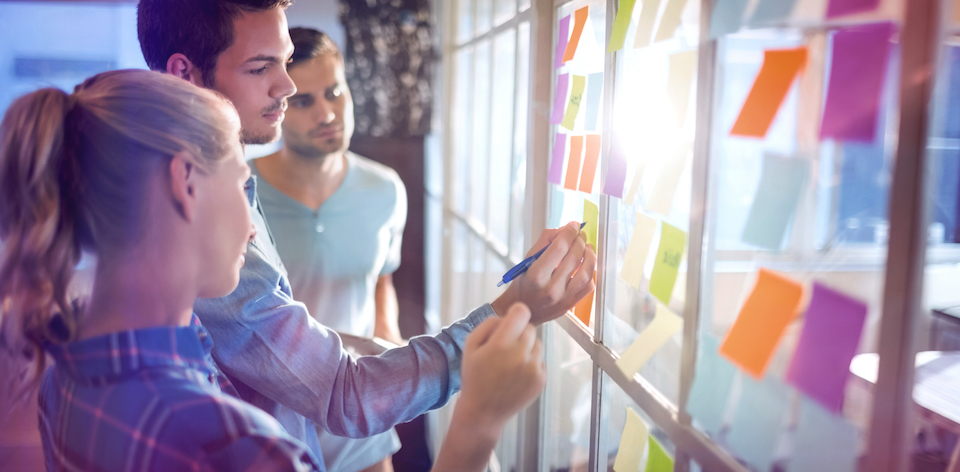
(566, 417)
(480, 140)
(501, 141)
(461, 135)
(518, 171)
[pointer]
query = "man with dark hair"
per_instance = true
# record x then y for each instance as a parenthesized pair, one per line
(278, 357)
(338, 220)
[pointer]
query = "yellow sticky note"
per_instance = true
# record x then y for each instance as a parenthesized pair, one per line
(657, 459)
(591, 216)
(635, 182)
(648, 16)
(680, 83)
(661, 199)
(632, 442)
(670, 19)
(665, 268)
(636, 256)
(620, 25)
(663, 327)
(573, 107)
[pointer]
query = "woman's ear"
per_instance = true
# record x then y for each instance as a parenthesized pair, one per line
(183, 185)
(178, 65)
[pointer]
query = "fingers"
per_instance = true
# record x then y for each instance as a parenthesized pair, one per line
(513, 325)
(481, 334)
(571, 261)
(547, 236)
(542, 270)
(585, 274)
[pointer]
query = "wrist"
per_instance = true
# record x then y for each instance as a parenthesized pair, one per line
(485, 426)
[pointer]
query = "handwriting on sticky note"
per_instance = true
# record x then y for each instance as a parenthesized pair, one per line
(673, 241)
(563, 31)
(579, 19)
(573, 162)
(648, 16)
(664, 325)
(670, 19)
(770, 307)
(556, 164)
(591, 216)
(661, 199)
(831, 332)
(559, 99)
(779, 70)
(776, 201)
(632, 442)
(636, 255)
(657, 458)
(590, 158)
(757, 421)
(823, 441)
(573, 108)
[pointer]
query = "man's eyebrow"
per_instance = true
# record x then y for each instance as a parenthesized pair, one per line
(263, 58)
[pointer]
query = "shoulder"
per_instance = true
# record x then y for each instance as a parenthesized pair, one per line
(375, 172)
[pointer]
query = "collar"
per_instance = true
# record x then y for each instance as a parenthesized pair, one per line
(251, 187)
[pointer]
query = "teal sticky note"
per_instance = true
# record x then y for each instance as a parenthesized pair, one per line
(779, 192)
(758, 420)
(823, 441)
(771, 12)
(711, 386)
(727, 17)
(593, 98)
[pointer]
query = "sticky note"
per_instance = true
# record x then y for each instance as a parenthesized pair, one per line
(559, 99)
(857, 70)
(823, 441)
(563, 31)
(665, 267)
(837, 8)
(680, 83)
(620, 24)
(573, 107)
(831, 332)
(636, 255)
(778, 195)
(616, 174)
(670, 19)
(779, 70)
(573, 162)
(657, 459)
(769, 308)
(593, 99)
(632, 442)
(727, 17)
(556, 164)
(635, 182)
(591, 216)
(712, 382)
(648, 16)
(664, 189)
(590, 158)
(579, 19)
(769, 12)
(758, 420)
(664, 325)
(584, 308)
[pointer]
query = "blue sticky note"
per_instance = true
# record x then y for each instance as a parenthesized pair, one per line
(755, 431)
(770, 12)
(594, 97)
(727, 17)
(776, 201)
(823, 441)
(711, 386)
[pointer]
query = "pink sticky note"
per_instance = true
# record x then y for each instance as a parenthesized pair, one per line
(556, 164)
(848, 7)
(563, 31)
(857, 72)
(828, 342)
(560, 100)
(616, 174)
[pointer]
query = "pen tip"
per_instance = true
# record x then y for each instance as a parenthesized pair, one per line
(500, 283)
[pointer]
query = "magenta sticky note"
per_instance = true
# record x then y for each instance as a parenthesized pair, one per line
(616, 170)
(556, 164)
(560, 100)
(848, 7)
(857, 72)
(563, 31)
(831, 331)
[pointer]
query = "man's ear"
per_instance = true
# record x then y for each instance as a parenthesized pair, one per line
(183, 185)
(178, 65)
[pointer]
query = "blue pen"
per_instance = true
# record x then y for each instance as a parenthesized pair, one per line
(525, 264)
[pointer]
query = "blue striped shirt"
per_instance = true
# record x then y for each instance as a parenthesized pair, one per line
(151, 400)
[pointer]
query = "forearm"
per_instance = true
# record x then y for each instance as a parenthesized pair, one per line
(470, 440)
(387, 311)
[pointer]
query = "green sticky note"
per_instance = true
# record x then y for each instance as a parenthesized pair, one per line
(591, 216)
(778, 195)
(664, 276)
(573, 107)
(657, 459)
(620, 24)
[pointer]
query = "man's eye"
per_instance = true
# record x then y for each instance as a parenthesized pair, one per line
(259, 71)
(334, 94)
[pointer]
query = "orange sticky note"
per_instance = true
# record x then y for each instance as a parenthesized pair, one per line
(573, 162)
(590, 163)
(579, 19)
(584, 309)
(780, 68)
(771, 306)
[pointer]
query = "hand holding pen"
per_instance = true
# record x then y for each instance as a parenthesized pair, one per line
(525, 264)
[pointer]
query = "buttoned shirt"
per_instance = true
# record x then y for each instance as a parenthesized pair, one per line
(149, 399)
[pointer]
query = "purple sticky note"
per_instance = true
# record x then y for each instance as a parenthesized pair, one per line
(616, 170)
(857, 71)
(556, 164)
(828, 342)
(563, 31)
(560, 100)
(848, 7)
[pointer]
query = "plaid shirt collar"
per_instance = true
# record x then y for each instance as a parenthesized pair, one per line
(121, 354)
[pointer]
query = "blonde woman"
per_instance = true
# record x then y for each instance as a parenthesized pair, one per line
(146, 171)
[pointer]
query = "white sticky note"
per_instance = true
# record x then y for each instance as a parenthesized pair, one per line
(632, 443)
(661, 199)
(636, 257)
(665, 324)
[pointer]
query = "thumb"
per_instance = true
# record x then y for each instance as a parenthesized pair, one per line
(482, 333)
